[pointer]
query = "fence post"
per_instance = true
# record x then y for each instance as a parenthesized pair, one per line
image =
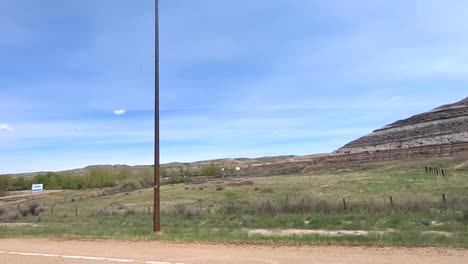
(391, 201)
(76, 210)
(443, 199)
(52, 210)
(344, 204)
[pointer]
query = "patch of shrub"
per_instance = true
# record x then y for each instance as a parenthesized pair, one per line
(129, 211)
(230, 207)
(211, 170)
(242, 183)
(24, 211)
(116, 208)
(456, 201)
(219, 188)
(129, 187)
(267, 190)
(9, 214)
(465, 215)
(14, 213)
(266, 207)
(412, 205)
(184, 210)
(104, 213)
(37, 209)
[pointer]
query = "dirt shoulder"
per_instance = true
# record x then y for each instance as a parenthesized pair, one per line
(211, 253)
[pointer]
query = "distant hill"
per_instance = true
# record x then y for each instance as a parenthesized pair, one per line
(245, 164)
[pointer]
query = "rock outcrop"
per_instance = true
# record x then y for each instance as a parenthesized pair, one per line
(440, 132)
(437, 132)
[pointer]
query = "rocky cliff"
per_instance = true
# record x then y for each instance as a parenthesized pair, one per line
(442, 128)
(442, 131)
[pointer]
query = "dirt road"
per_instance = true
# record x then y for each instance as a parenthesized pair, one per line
(42, 251)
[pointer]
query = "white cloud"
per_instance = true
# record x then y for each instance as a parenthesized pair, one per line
(394, 98)
(279, 131)
(120, 111)
(5, 127)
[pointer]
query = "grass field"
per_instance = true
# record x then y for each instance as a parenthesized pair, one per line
(229, 210)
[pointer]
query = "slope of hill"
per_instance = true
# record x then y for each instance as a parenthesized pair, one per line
(445, 126)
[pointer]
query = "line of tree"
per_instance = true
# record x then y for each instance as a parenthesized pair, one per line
(101, 178)
(93, 178)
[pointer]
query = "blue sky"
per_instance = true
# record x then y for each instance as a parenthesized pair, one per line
(243, 78)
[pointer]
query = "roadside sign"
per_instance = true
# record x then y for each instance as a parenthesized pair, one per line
(37, 188)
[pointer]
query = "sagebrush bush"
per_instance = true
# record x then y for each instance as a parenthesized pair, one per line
(241, 183)
(116, 208)
(266, 190)
(14, 213)
(308, 205)
(184, 210)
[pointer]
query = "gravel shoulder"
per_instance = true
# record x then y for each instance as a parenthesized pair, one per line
(162, 252)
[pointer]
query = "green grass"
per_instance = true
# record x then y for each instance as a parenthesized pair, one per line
(210, 222)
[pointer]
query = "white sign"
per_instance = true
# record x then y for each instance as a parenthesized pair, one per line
(37, 188)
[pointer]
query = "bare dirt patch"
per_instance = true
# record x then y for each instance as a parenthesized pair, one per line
(23, 196)
(327, 233)
(462, 166)
(18, 225)
(305, 232)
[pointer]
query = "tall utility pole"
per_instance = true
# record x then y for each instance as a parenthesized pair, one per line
(157, 204)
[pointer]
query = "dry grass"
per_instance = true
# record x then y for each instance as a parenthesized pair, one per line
(278, 202)
(117, 208)
(241, 183)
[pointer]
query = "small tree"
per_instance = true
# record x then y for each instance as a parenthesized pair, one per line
(212, 170)
(185, 173)
(146, 176)
(22, 182)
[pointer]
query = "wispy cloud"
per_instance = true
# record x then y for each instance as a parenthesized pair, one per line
(120, 111)
(5, 127)
(395, 98)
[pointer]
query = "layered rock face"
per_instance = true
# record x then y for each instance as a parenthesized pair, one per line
(444, 128)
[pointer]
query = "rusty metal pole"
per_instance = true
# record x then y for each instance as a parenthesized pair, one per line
(157, 204)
